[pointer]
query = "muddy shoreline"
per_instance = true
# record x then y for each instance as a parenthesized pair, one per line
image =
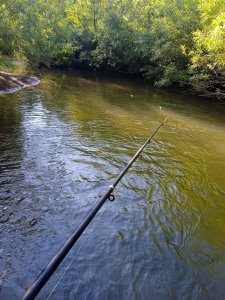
(10, 82)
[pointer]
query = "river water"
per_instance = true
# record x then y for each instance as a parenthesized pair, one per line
(63, 142)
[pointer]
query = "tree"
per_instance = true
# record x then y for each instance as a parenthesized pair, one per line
(208, 55)
(171, 30)
(176, 41)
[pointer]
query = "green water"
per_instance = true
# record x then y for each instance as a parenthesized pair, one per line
(63, 142)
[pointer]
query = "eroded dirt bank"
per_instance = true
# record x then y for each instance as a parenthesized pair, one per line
(10, 83)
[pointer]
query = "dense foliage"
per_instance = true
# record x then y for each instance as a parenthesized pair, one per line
(175, 41)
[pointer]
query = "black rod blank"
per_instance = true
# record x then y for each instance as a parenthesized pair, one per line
(41, 280)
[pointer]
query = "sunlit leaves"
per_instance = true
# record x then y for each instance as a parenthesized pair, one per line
(208, 55)
(176, 41)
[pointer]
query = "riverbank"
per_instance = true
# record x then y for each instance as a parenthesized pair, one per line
(10, 83)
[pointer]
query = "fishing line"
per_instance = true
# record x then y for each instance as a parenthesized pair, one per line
(42, 279)
(120, 184)
(75, 255)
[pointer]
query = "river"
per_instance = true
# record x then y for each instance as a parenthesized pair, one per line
(63, 142)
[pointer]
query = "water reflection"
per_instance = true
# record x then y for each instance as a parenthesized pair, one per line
(162, 238)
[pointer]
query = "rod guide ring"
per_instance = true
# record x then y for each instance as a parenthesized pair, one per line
(111, 197)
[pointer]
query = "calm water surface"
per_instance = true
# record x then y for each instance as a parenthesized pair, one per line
(62, 143)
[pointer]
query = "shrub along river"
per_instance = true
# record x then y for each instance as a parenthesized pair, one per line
(62, 144)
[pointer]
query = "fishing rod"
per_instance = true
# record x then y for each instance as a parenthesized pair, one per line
(41, 280)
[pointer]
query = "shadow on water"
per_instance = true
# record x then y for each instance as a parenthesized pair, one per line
(163, 237)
